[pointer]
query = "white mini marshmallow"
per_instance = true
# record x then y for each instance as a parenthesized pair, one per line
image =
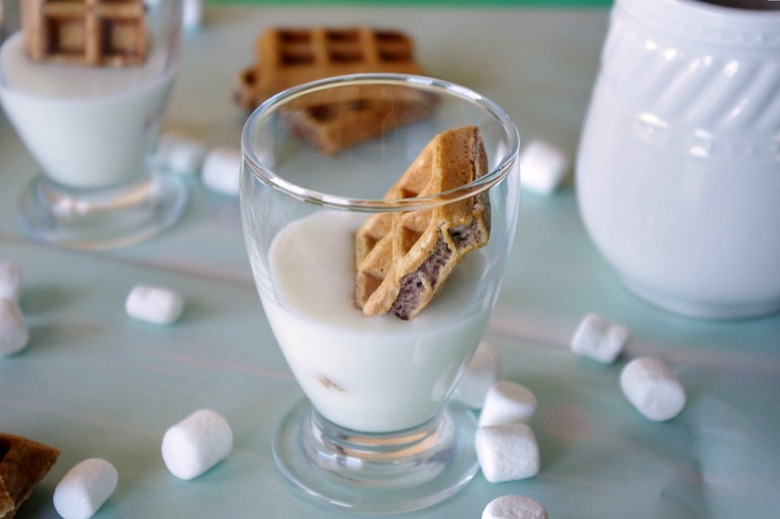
(153, 304)
(197, 443)
(222, 170)
(507, 452)
(84, 489)
(482, 371)
(181, 153)
(192, 14)
(507, 402)
(542, 167)
(652, 388)
(600, 339)
(514, 507)
(10, 280)
(14, 334)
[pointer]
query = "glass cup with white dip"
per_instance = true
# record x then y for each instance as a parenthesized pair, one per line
(86, 85)
(377, 431)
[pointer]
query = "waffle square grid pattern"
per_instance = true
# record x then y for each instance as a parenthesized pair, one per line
(287, 57)
(403, 258)
(88, 32)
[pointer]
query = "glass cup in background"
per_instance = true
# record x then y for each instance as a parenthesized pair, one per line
(376, 433)
(92, 129)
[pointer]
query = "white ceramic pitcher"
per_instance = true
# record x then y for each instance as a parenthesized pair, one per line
(678, 171)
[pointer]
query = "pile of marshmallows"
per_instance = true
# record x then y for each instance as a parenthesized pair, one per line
(506, 445)
(189, 447)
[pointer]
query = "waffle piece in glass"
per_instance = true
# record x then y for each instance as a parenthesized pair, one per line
(403, 259)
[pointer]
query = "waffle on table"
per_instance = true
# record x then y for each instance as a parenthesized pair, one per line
(402, 259)
(87, 32)
(288, 57)
(348, 117)
(23, 463)
(334, 121)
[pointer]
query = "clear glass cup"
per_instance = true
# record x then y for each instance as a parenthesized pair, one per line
(377, 433)
(91, 123)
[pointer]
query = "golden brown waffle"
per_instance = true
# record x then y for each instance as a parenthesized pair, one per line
(87, 32)
(335, 125)
(402, 259)
(288, 57)
(23, 463)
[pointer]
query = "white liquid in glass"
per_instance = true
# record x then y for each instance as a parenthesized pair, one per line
(86, 126)
(371, 374)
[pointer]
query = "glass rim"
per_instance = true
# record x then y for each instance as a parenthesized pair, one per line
(492, 177)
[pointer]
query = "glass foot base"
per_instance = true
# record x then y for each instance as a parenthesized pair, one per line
(377, 473)
(101, 218)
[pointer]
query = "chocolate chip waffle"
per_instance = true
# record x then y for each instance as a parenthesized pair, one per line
(402, 259)
(288, 57)
(87, 32)
(23, 463)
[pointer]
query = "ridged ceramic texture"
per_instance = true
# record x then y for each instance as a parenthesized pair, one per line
(718, 82)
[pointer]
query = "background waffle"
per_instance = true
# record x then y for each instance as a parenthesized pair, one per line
(402, 259)
(91, 32)
(333, 126)
(288, 57)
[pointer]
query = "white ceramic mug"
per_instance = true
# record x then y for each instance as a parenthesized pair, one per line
(678, 171)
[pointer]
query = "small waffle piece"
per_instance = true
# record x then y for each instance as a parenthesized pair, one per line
(23, 463)
(402, 259)
(288, 57)
(87, 32)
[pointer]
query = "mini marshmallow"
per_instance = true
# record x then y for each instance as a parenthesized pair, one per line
(652, 388)
(154, 304)
(84, 489)
(192, 14)
(507, 452)
(14, 334)
(10, 280)
(507, 402)
(222, 170)
(181, 153)
(542, 167)
(600, 339)
(481, 372)
(514, 507)
(197, 443)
